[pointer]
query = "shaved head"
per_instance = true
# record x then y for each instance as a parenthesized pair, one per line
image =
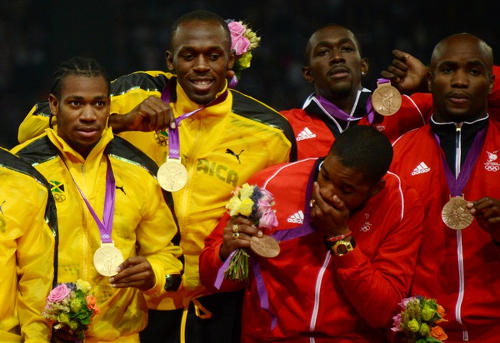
(463, 39)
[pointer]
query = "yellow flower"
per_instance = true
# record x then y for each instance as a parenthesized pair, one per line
(424, 330)
(234, 206)
(245, 59)
(413, 325)
(82, 285)
(75, 304)
(63, 318)
(246, 207)
(246, 190)
(428, 312)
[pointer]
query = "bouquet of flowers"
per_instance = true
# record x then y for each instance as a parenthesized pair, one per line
(256, 204)
(418, 320)
(243, 41)
(71, 306)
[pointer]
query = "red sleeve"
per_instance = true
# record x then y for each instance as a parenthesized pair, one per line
(375, 287)
(423, 102)
(210, 261)
(494, 97)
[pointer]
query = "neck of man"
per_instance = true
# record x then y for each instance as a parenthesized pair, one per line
(449, 118)
(344, 102)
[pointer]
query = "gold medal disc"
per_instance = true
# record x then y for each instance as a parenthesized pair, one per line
(265, 246)
(107, 259)
(172, 175)
(386, 99)
(455, 214)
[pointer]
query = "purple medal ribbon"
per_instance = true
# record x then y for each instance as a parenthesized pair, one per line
(457, 184)
(333, 111)
(281, 235)
(106, 225)
(173, 134)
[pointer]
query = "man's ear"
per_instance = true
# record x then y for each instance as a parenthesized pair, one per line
(169, 57)
(378, 187)
(492, 82)
(54, 104)
(306, 72)
(232, 59)
(364, 66)
(429, 81)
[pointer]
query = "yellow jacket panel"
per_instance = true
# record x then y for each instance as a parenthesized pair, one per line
(26, 251)
(142, 225)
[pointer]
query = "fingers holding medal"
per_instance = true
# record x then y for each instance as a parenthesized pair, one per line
(237, 234)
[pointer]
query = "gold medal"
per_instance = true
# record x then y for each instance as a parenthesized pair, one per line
(172, 175)
(265, 246)
(386, 99)
(455, 214)
(107, 259)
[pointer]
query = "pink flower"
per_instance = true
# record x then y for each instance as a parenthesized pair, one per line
(268, 220)
(396, 322)
(236, 29)
(405, 301)
(266, 196)
(240, 45)
(58, 294)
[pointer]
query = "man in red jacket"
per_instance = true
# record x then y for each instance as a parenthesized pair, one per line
(453, 164)
(333, 64)
(349, 236)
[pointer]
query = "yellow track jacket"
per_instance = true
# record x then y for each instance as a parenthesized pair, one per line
(221, 147)
(142, 225)
(27, 216)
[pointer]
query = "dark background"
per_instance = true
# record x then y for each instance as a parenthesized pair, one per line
(126, 36)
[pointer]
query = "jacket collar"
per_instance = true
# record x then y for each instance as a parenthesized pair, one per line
(184, 104)
(69, 153)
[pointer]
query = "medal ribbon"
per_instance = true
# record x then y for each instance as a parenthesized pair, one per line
(106, 225)
(457, 184)
(173, 134)
(333, 111)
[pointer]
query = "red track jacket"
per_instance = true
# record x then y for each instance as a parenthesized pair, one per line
(461, 269)
(314, 295)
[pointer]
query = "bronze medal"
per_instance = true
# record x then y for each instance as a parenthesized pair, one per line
(386, 99)
(172, 175)
(265, 246)
(107, 259)
(455, 214)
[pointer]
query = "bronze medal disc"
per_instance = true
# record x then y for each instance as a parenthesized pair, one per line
(107, 259)
(455, 214)
(265, 246)
(386, 99)
(172, 175)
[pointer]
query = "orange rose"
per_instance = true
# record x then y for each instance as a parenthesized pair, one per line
(92, 303)
(441, 311)
(438, 333)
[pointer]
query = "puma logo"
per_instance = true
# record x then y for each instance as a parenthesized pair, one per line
(231, 152)
(121, 188)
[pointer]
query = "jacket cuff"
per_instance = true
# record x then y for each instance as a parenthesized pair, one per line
(159, 280)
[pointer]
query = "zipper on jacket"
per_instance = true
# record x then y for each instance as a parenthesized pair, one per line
(460, 257)
(317, 292)
(85, 272)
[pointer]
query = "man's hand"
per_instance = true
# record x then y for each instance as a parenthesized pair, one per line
(237, 234)
(329, 215)
(406, 72)
(134, 272)
(487, 213)
(150, 115)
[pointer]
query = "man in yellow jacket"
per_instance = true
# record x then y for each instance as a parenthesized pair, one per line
(28, 225)
(231, 138)
(107, 199)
